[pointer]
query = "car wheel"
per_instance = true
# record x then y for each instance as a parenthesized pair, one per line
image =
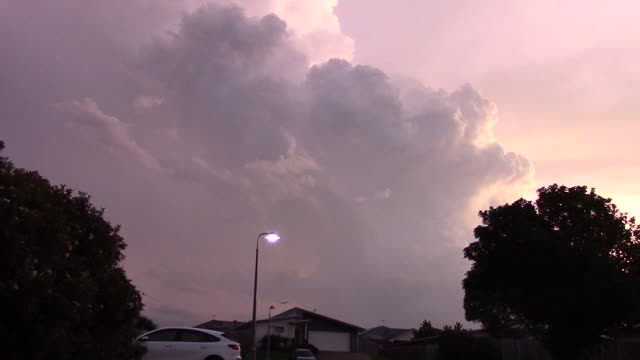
(214, 357)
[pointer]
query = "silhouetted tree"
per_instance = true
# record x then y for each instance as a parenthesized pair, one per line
(425, 330)
(63, 292)
(565, 268)
(460, 345)
(458, 327)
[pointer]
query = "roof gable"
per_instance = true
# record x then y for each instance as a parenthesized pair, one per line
(299, 312)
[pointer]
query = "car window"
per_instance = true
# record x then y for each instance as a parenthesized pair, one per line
(162, 335)
(303, 352)
(196, 336)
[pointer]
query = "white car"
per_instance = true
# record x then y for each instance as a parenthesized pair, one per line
(303, 354)
(185, 343)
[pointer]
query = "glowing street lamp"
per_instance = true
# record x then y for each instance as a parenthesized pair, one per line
(271, 238)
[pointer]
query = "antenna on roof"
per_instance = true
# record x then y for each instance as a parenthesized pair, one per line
(382, 322)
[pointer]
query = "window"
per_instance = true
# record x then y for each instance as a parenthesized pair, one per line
(278, 329)
(162, 335)
(196, 336)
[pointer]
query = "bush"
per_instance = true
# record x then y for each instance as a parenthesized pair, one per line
(277, 342)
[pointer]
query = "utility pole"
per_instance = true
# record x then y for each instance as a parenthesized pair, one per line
(269, 332)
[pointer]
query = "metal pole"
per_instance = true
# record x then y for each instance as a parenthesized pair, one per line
(269, 333)
(255, 292)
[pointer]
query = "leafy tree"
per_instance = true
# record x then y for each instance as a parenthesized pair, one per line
(565, 268)
(425, 330)
(63, 292)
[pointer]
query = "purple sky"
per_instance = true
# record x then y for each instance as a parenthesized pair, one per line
(198, 127)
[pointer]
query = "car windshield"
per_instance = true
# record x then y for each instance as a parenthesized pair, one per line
(303, 352)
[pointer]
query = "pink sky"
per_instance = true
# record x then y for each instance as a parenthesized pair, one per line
(564, 75)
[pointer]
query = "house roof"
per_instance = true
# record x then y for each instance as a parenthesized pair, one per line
(306, 313)
(221, 325)
(384, 333)
(296, 313)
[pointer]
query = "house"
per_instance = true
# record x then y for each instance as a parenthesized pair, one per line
(304, 326)
(298, 325)
(373, 340)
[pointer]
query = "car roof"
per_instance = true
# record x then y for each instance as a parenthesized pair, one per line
(212, 332)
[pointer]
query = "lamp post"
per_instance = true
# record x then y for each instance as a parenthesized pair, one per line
(272, 238)
(269, 331)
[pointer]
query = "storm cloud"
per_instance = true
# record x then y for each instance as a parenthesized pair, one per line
(197, 134)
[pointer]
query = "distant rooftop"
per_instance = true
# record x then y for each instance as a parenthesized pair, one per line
(293, 313)
(384, 333)
(221, 325)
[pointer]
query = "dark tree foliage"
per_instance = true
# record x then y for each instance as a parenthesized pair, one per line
(426, 330)
(565, 269)
(63, 292)
(458, 327)
(460, 345)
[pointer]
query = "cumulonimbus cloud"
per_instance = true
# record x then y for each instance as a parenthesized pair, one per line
(373, 182)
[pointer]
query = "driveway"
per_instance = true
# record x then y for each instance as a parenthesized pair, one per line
(330, 355)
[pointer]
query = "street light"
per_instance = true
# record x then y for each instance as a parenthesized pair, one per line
(272, 238)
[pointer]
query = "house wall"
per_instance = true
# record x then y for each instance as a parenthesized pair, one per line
(261, 329)
(367, 346)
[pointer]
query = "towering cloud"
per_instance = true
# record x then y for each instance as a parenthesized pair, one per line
(227, 126)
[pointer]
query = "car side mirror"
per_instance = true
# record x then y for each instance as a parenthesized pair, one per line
(143, 339)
